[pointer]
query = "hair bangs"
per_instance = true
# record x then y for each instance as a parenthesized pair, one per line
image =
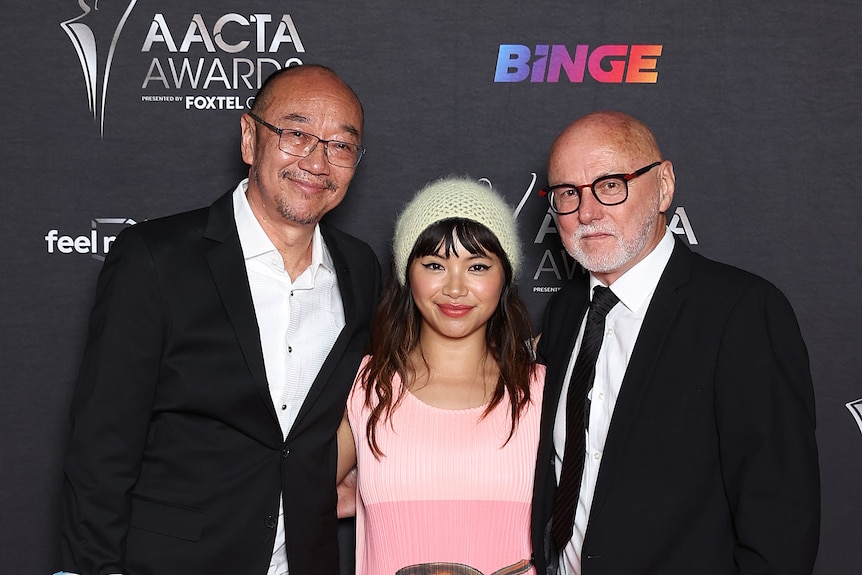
(446, 234)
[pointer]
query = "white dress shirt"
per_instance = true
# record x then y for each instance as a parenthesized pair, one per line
(635, 289)
(298, 320)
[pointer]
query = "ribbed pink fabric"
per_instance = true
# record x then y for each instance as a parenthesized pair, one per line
(447, 489)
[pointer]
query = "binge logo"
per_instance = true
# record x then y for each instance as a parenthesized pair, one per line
(97, 243)
(612, 63)
(89, 33)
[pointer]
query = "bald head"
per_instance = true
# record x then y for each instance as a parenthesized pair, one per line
(625, 133)
(274, 83)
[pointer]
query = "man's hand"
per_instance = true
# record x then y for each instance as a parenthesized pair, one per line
(347, 495)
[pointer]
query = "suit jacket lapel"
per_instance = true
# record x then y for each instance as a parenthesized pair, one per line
(663, 309)
(227, 265)
(559, 334)
(564, 335)
(348, 298)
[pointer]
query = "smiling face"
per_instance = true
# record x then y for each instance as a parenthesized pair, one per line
(610, 240)
(285, 189)
(456, 293)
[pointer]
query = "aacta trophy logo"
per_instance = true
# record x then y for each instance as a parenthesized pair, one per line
(855, 408)
(95, 34)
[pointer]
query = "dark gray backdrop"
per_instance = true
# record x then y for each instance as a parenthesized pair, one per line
(757, 107)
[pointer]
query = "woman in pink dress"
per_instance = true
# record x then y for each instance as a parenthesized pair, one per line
(443, 420)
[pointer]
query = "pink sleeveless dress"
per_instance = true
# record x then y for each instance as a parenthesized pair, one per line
(449, 489)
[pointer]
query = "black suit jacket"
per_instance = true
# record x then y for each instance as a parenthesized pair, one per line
(176, 458)
(710, 464)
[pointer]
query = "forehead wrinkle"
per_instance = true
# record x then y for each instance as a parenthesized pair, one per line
(303, 119)
(295, 117)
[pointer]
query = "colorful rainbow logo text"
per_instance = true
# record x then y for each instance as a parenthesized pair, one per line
(611, 63)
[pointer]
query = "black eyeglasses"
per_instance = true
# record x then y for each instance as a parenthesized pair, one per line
(301, 144)
(609, 190)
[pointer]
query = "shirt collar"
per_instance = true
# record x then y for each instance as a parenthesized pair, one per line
(635, 287)
(256, 243)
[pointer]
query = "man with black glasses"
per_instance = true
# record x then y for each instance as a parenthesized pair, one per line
(222, 346)
(678, 417)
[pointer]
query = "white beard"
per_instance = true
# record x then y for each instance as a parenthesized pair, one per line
(627, 246)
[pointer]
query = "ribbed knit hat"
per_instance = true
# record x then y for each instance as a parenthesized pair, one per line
(454, 197)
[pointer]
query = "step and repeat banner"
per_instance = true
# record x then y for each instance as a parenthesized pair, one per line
(115, 112)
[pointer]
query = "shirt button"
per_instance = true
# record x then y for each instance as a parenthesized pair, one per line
(283, 406)
(597, 455)
(290, 349)
(609, 332)
(601, 396)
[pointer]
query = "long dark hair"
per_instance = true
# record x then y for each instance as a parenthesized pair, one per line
(396, 326)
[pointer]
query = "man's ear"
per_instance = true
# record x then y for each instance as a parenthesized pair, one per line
(248, 130)
(667, 185)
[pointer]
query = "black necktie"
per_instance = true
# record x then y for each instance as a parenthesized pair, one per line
(566, 499)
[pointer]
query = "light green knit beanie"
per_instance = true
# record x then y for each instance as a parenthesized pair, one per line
(454, 197)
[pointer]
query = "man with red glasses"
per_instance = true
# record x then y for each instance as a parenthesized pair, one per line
(678, 417)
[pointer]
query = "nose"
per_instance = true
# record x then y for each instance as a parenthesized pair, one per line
(316, 161)
(454, 287)
(590, 208)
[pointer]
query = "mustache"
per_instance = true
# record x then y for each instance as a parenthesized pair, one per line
(601, 228)
(300, 177)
